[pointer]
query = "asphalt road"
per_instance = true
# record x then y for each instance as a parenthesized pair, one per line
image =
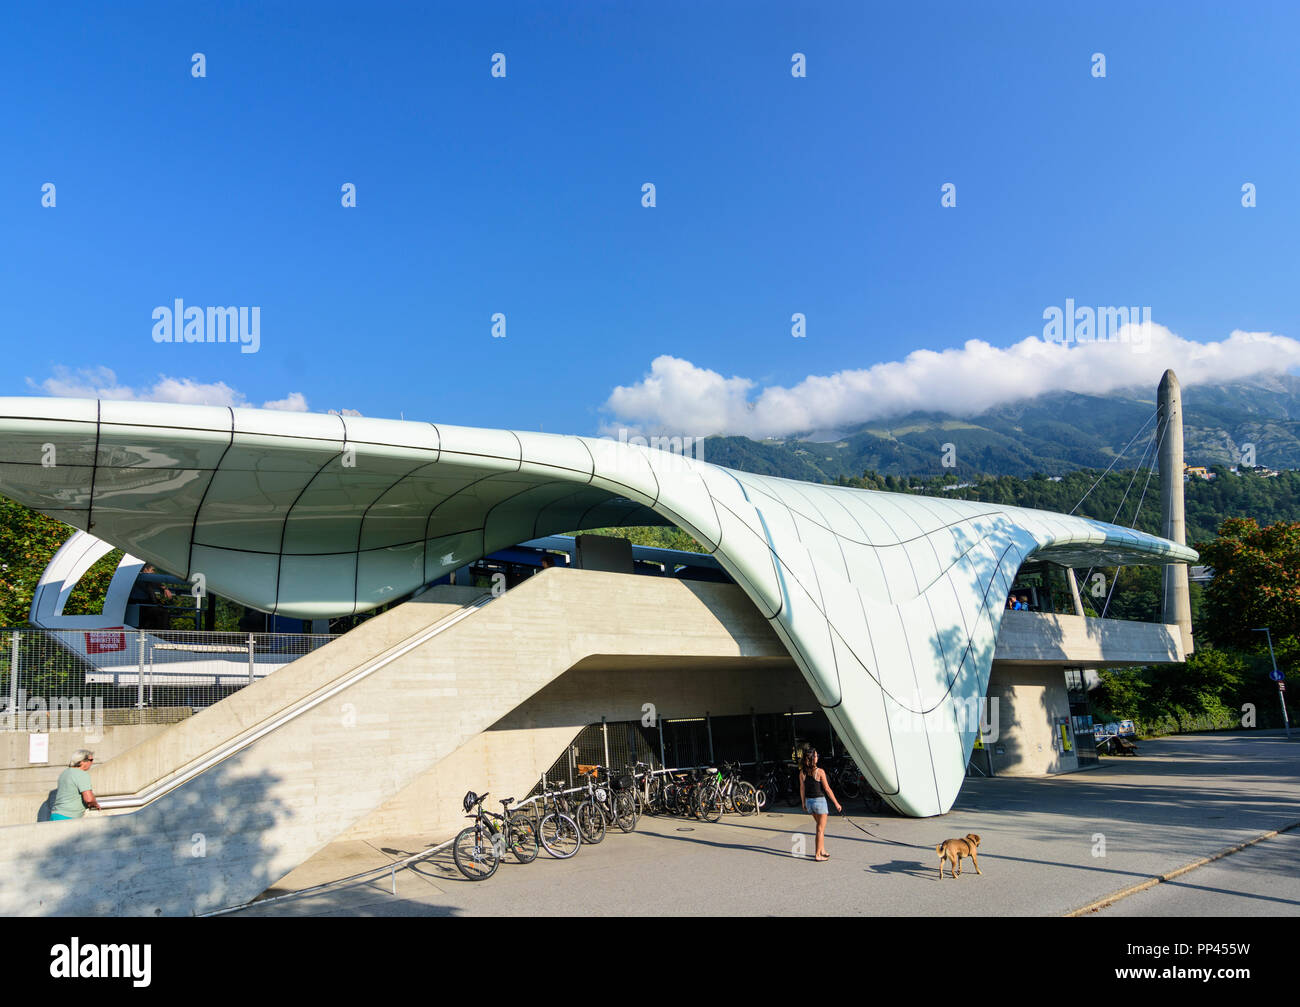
(1049, 846)
(1262, 880)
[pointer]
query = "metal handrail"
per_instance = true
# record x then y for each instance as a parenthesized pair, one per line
(237, 744)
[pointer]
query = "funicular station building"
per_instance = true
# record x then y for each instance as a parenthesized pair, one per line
(870, 623)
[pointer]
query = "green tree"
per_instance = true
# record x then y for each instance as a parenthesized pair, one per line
(658, 536)
(1121, 694)
(28, 541)
(1256, 583)
(1208, 684)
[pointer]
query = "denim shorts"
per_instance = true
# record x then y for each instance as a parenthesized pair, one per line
(817, 806)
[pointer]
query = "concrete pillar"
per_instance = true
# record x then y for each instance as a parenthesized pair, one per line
(1169, 435)
(1073, 581)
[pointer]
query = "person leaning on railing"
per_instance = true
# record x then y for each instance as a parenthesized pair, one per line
(74, 793)
(152, 599)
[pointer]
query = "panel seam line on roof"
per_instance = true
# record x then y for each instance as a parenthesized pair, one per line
(94, 471)
(212, 477)
(284, 525)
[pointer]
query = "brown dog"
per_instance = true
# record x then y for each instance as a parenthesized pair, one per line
(953, 850)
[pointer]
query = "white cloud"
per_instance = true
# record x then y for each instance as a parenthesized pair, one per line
(295, 403)
(678, 397)
(102, 383)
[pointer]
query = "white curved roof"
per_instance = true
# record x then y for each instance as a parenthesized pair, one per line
(889, 603)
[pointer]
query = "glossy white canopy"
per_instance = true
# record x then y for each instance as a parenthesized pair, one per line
(889, 603)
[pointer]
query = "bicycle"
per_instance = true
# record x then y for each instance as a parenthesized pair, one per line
(739, 796)
(479, 849)
(661, 797)
(707, 800)
(679, 792)
(772, 784)
(591, 816)
(558, 831)
(642, 776)
(619, 805)
(846, 779)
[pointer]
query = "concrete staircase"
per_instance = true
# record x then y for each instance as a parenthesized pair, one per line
(217, 808)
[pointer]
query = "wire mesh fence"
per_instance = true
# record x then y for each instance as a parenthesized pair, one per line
(747, 738)
(49, 674)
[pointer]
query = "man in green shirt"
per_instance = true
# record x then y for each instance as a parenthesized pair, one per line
(74, 794)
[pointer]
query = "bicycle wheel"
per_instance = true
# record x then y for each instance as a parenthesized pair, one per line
(591, 823)
(744, 798)
(523, 839)
(625, 811)
(474, 853)
(560, 836)
(709, 804)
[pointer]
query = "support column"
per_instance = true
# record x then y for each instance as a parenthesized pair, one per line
(1169, 435)
(1073, 581)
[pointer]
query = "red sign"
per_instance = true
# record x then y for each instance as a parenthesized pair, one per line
(104, 641)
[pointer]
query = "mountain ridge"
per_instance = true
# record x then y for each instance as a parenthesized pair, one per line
(1050, 434)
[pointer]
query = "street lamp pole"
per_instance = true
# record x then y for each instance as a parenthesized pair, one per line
(1281, 688)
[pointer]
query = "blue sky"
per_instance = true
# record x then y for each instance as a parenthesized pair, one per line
(522, 195)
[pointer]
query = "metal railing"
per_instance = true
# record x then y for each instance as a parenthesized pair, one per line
(46, 673)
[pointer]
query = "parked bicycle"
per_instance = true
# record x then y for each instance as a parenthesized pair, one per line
(558, 831)
(774, 784)
(643, 786)
(604, 807)
(622, 802)
(479, 849)
(662, 797)
(845, 777)
(708, 801)
(738, 795)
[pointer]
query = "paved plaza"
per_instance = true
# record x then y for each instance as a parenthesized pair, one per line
(1049, 846)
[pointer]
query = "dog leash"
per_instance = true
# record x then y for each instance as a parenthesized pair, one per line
(893, 842)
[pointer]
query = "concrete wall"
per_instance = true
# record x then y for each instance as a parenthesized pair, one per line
(1028, 679)
(167, 748)
(1075, 640)
(1029, 700)
(508, 758)
(227, 835)
(23, 779)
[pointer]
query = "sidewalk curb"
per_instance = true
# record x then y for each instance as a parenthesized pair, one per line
(1102, 903)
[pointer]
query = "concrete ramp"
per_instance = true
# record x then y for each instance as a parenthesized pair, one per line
(219, 807)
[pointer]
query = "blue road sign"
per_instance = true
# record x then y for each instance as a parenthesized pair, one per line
(1276, 675)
